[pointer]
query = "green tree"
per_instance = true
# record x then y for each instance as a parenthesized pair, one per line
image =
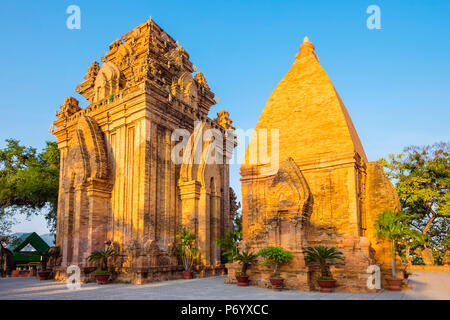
(234, 204)
(186, 248)
(230, 241)
(6, 222)
(422, 179)
(229, 244)
(393, 227)
(29, 180)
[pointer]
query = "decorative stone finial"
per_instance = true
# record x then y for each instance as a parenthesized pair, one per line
(69, 107)
(305, 49)
(223, 119)
(201, 80)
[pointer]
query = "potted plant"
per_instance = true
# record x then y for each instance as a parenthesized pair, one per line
(245, 258)
(275, 256)
(324, 257)
(15, 273)
(44, 273)
(391, 226)
(406, 274)
(187, 251)
(102, 274)
(446, 260)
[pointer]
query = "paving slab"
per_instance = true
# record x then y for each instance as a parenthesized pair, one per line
(424, 285)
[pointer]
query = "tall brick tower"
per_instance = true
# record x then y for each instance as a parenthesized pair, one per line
(118, 182)
(323, 190)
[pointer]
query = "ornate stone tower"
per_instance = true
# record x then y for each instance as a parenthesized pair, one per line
(118, 180)
(323, 191)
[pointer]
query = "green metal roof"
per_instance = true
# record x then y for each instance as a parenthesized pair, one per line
(28, 238)
(25, 258)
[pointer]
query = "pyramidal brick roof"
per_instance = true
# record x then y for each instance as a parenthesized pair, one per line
(313, 121)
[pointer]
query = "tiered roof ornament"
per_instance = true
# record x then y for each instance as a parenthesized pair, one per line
(148, 55)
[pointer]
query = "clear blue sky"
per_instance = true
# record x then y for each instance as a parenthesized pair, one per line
(395, 81)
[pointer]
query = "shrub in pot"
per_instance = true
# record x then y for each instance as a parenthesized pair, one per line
(324, 257)
(406, 274)
(102, 274)
(392, 226)
(187, 251)
(275, 256)
(245, 258)
(44, 273)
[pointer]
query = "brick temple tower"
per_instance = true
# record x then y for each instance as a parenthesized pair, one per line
(118, 182)
(321, 190)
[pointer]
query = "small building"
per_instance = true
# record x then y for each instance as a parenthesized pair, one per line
(22, 256)
(5, 261)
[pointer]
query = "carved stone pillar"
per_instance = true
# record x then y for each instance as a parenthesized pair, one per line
(98, 204)
(216, 221)
(190, 199)
(190, 196)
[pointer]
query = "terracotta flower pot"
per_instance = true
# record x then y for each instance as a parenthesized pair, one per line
(326, 286)
(24, 273)
(277, 284)
(187, 275)
(44, 275)
(394, 284)
(102, 278)
(242, 281)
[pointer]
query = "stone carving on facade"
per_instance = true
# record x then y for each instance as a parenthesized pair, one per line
(69, 108)
(92, 71)
(182, 51)
(289, 193)
(223, 119)
(152, 251)
(108, 82)
(201, 80)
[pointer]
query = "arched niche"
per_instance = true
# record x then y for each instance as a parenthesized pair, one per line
(289, 205)
(201, 195)
(84, 200)
(107, 82)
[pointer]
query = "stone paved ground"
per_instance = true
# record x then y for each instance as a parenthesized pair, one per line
(426, 285)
